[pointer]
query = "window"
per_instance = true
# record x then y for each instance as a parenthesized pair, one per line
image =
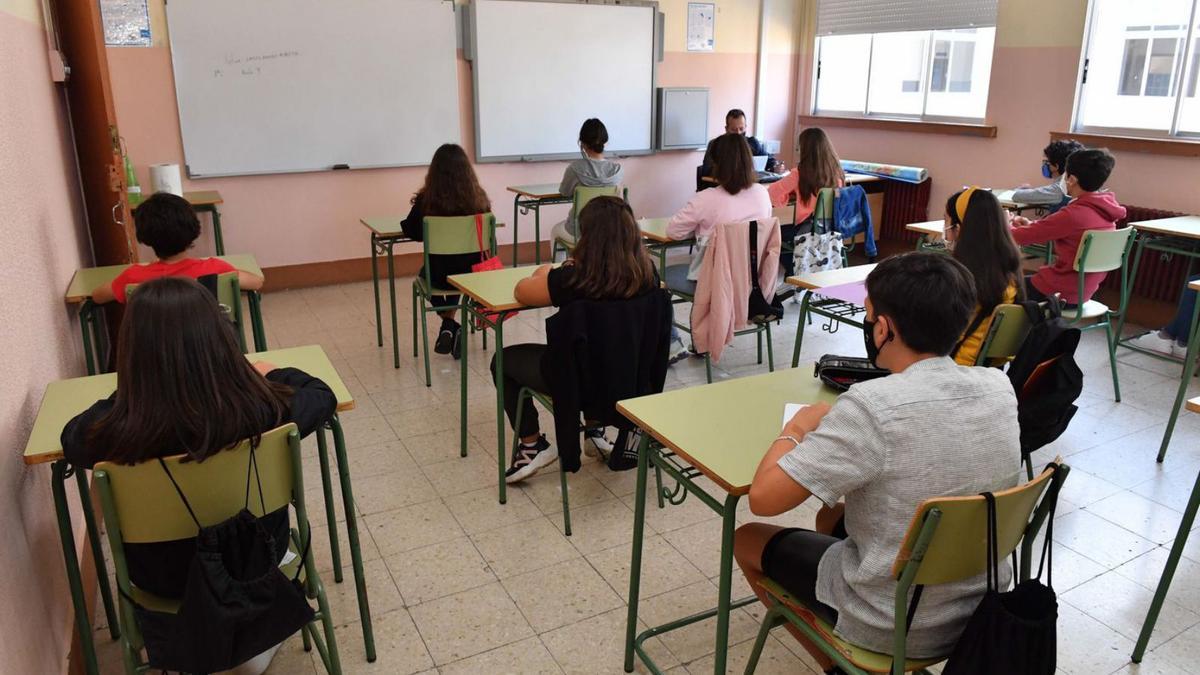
(1140, 69)
(924, 74)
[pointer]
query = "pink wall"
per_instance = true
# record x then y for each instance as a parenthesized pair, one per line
(318, 212)
(42, 242)
(1034, 70)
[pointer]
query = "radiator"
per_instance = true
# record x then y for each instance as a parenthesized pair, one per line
(903, 203)
(1160, 275)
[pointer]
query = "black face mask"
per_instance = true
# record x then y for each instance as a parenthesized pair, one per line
(869, 341)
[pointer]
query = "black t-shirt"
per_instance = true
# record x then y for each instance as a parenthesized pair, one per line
(161, 568)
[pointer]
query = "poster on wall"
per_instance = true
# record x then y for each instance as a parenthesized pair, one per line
(126, 23)
(701, 26)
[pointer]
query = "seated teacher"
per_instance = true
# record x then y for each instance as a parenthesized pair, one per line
(735, 123)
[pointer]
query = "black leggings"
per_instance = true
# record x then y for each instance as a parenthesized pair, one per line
(1032, 293)
(791, 558)
(522, 368)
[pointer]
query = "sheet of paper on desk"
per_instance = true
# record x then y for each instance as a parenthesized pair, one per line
(790, 410)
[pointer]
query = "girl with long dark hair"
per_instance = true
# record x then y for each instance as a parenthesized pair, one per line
(609, 262)
(978, 235)
(451, 188)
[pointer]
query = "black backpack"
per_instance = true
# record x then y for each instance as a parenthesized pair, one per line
(1045, 377)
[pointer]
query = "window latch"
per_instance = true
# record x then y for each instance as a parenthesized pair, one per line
(1085, 70)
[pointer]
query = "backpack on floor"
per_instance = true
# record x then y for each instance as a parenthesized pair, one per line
(1045, 377)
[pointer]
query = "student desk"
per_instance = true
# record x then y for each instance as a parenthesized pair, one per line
(830, 308)
(654, 231)
(1171, 236)
(488, 296)
(721, 432)
(931, 231)
(1188, 371)
(1185, 528)
(65, 399)
(533, 198)
(86, 280)
(385, 234)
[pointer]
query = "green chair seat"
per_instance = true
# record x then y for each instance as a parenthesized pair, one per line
(872, 662)
(1103, 251)
(1091, 309)
(423, 287)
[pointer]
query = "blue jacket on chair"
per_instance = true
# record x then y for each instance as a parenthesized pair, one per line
(852, 216)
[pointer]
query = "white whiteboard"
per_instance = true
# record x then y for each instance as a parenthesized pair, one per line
(267, 86)
(542, 68)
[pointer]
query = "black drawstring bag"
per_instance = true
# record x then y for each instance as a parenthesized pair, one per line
(1012, 632)
(237, 603)
(760, 311)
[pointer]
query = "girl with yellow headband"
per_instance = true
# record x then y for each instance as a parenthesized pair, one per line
(978, 235)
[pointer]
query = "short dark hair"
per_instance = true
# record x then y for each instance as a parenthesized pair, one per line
(166, 223)
(593, 135)
(734, 114)
(929, 296)
(733, 165)
(1091, 167)
(1058, 152)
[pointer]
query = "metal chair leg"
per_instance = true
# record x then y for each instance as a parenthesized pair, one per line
(562, 476)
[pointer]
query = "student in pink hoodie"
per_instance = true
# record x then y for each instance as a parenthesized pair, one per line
(1091, 208)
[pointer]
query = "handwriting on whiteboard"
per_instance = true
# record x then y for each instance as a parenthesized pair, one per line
(250, 65)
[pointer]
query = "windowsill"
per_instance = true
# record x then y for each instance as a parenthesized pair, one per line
(1157, 146)
(947, 128)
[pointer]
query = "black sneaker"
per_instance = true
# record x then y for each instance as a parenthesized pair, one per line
(446, 338)
(678, 352)
(529, 460)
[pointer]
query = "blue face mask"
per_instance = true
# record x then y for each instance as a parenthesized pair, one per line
(1046, 170)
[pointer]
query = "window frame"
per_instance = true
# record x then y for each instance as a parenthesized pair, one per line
(931, 40)
(1181, 76)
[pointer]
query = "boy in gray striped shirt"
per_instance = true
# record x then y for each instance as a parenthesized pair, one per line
(930, 429)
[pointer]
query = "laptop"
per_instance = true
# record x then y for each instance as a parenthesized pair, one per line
(760, 162)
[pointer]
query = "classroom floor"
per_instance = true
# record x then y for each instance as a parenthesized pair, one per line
(461, 584)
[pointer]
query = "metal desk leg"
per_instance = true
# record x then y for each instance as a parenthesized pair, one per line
(800, 328)
(724, 588)
(85, 318)
(1189, 369)
(537, 233)
(67, 536)
(516, 227)
(360, 581)
(466, 347)
(218, 240)
(257, 331)
(1160, 593)
(93, 534)
(635, 563)
(501, 419)
(335, 549)
(1127, 290)
(375, 285)
(392, 297)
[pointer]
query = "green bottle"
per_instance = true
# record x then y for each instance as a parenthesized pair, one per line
(132, 188)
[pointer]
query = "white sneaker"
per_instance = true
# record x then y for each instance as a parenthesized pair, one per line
(527, 461)
(595, 444)
(1178, 350)
(1154, 342)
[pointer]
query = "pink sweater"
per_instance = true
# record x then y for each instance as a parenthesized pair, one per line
(714, 206)
(722, 303)
(1065, 227)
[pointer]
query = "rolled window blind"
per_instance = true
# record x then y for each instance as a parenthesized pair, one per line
(848, 17)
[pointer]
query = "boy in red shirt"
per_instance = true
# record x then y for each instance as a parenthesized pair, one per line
(1090, 209)
(168, 224)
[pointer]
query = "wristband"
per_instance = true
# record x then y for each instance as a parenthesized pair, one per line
(795, 441)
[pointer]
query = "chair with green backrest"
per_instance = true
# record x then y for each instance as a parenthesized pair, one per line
(1103, 251)
(1005, 335)
(583, 195)
(141, 507)
(945, 542)
(445, 235)
(229, 297)
(683, 291)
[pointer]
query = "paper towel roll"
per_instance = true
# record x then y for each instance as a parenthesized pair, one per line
(166, 178)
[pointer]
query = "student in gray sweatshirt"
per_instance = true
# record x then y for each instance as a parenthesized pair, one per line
(1054, 160)
(591, 170)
